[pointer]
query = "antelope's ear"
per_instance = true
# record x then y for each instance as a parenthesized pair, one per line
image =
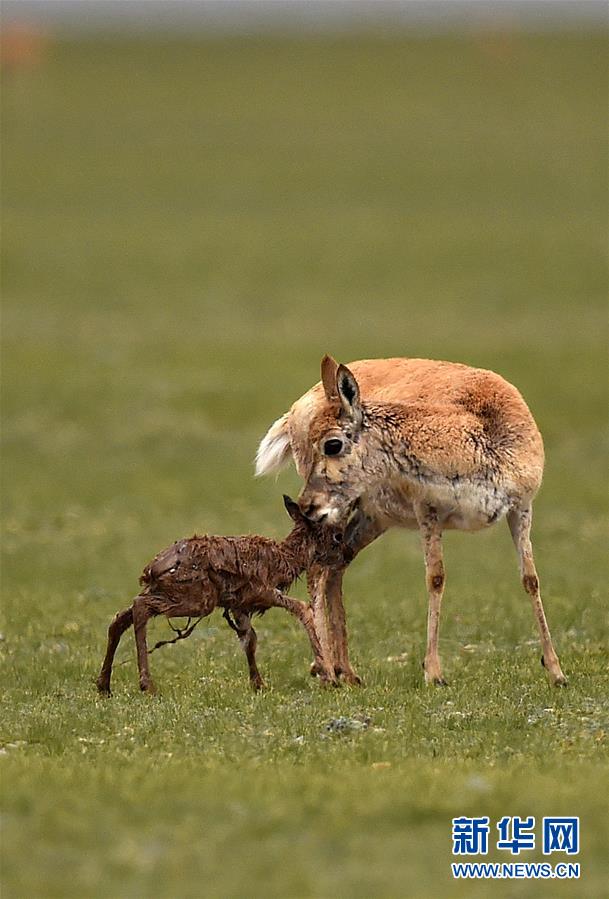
(348, 393)
(293, 509)
(329, 367)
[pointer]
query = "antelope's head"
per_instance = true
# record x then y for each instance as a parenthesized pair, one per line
(341, 459)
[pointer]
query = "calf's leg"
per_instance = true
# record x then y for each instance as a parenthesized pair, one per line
(249, 641)
(118, 626)
(142, 611)
(305, 615)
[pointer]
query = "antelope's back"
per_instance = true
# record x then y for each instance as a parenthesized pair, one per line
(449, 388)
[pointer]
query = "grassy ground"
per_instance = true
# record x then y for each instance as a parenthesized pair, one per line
(188, 228)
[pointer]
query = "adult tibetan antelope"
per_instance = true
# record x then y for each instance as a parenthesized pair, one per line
(411, 443)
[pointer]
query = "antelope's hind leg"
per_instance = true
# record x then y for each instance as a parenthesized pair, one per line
(519, 521)
(118, 626)
(431, 535)
(249, 642)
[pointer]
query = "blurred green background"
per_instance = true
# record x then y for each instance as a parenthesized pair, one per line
(188, 227)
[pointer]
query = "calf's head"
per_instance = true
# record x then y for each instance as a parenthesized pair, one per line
(325, 543)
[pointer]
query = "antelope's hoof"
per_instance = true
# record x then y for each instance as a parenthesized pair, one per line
(104, 690)
(435, 680)
(557, 680)
(329, 679)
(148, 688)
(314, 670)
(350, 677)
(258, 684)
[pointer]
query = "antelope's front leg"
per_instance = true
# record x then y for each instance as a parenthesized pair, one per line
(431, 535)
(305, 615)
(338, 627)
(326, 591)
(317, 585)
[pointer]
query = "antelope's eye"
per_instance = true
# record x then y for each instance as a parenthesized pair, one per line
(337, 538)
(333, 447)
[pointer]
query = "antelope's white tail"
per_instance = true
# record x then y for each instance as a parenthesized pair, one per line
(274, 451)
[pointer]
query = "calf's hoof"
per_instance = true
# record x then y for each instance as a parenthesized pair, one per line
(103, 689)
(257, 684)
(148, 687)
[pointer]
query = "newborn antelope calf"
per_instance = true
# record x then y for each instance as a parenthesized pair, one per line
(242, 575)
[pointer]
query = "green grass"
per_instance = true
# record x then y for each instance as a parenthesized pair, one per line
(188, 228)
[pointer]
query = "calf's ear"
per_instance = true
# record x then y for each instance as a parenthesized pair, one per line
(293, 508)
(329, 367)
(348, 393)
